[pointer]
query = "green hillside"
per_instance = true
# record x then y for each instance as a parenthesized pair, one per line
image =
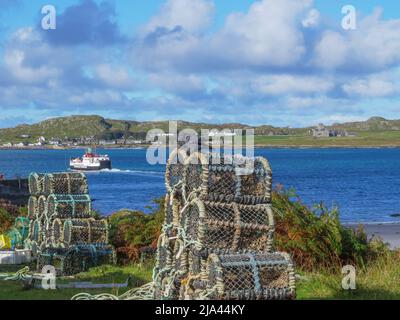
(373, 132)
(73, 126)
(372, 124)
(96, 126)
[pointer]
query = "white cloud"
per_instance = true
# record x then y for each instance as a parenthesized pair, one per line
(288, 84)
(374, 45)
(305, 102)
(331, 51)
(178, 84)
(97, 97)
(192, 16)
(14, 61)
(373, 87)
(26, 35)
(114, 76)
(279, 60)
(268, 34)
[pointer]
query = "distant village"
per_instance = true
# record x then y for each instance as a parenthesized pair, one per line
(74, 142)
(25, 140)
(321, 131)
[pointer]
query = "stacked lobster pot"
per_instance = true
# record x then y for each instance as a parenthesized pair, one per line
(63, 231)
(217, 240)
(36, 209)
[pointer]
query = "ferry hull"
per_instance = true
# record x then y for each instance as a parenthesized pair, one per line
(102, 166)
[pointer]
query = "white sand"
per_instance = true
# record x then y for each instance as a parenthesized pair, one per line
(388, 232)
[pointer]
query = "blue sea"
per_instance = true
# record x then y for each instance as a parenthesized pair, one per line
(363, 183)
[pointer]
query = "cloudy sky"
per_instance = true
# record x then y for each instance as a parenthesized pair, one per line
(279, 62)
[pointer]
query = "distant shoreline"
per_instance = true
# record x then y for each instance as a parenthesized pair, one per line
(71, 147)
(258, 146)
(325, 147)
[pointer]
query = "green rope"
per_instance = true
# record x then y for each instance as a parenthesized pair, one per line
(22, 274)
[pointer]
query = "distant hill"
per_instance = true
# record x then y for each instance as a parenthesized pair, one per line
(372, 124)
(73, 126)
(79, 126)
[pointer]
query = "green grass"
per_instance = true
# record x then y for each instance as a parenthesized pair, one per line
(377, 281)
(140, 274)
(363, 139)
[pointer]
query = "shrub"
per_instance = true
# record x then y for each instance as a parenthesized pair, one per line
(133, 231)
(316, 238)
(6, 221)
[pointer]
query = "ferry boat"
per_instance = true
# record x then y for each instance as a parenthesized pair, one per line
(90, 162)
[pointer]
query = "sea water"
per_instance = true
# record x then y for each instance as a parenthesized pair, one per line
(363, 183)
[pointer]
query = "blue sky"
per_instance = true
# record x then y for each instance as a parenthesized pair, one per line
(279, 62)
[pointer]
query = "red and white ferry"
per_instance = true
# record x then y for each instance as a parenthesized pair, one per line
(90, 162)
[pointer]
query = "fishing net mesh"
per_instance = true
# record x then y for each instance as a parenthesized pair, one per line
(98, 231)
(36, 183)
(228, 179)
(33, 208)
(87, 231)
(76, 231)
(69, 206)
(251, 276)
(62, 230)
(229, 227)
(57, 232)
(65, 183)
(174, 170)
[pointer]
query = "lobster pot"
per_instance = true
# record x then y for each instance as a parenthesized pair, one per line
(163, 264)
(41, 206)
(171, 268)
(197, 276)
(31, 229)
(57, 227)
(172, 209)
(164, 255)
(181, 265)
(37, 231)
(98, 231)
(45, 227)
(197, 262)
(250, 277)
(105, 254)
(65, 183)
(69, 206)
(94, 255)
(35, 182)
(67, 262)
(174, 171)
(232, 179)
(228, 227)
(33, 209)
(76, 231)
(31, 245)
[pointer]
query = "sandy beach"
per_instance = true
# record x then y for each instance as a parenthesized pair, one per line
(389, 232)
